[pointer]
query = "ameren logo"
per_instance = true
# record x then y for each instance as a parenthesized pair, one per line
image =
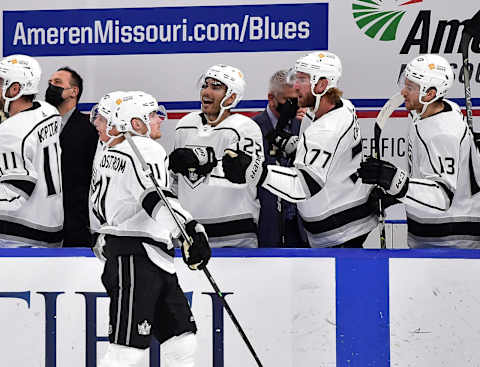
(161, 30)
(113, 31)
(378, 15)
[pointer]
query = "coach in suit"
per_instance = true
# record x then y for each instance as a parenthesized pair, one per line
(279, 224)
(78, 140)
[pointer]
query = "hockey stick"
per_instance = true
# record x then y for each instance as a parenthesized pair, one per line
(470, 30)
(214, 285)
(393, 103)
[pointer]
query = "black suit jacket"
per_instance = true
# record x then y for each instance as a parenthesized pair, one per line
(78, 140)
(271, 223)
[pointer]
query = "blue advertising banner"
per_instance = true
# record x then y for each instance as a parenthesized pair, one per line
(166, 30)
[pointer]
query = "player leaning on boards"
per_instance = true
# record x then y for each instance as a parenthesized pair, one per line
(332, 202)
(31, 209)
(438, 191)
(228, 211)
(137, 240)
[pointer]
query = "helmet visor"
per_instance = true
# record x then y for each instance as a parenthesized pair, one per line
(93, 114)
(161, 112)
(405, 83)
(297, 77)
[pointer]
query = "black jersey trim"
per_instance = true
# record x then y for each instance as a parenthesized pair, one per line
(20, 230)
(357, 149)
(239, 226)
(428, 152)
(464, 135)
(133, 164)
(127, 245)
(284, 173)
(152, 200)
(439, 184)
(12, 199)
(306, 149)
(474, 185)
(447, 190)
(286, 194)
(425, 204)
(446, 108)
(413, 181)
(443, 229)
(23, 185)
(313, 186)
(28, 134)
(339, 219)
(343, 135)
(229, 128)
(34, 106)
(186, 127)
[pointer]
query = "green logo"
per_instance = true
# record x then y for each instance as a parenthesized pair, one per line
(379, 17)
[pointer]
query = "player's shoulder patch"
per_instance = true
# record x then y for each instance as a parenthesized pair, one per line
(47, 108)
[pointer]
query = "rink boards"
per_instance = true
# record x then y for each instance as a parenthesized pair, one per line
(320, 308)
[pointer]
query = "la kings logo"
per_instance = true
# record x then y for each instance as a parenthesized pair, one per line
(194, 179)
(144, 328)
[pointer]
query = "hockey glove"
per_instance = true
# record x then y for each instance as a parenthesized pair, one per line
(197, 255)
(240, 168)
(378, 194)
(384, 174)
(198, 160)
(286, 142)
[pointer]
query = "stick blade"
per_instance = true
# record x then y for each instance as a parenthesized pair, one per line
(392, 104)
(472, 26)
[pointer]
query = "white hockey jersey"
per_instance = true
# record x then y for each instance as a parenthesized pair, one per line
(93, 219)
(443, 194)
(228, 211)
(31, 201)
(329, 153)
(124, 202)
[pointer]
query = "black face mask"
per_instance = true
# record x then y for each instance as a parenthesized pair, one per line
(53, 95)
(288, 109)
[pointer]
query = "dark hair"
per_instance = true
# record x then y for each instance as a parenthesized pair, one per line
(29, 97)
(75, 80)
(333, 95)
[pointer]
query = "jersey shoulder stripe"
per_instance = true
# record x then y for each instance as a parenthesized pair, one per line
(132, 163)
(426, 149)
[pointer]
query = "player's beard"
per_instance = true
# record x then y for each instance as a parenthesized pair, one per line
(211, 110)
(306, 100)
(3, 116)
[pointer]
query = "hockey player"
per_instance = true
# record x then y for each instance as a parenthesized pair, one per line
(139, 234)
(439, 191)
(100, 116)
(331, 201)
(228, 211)
(31, 208)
